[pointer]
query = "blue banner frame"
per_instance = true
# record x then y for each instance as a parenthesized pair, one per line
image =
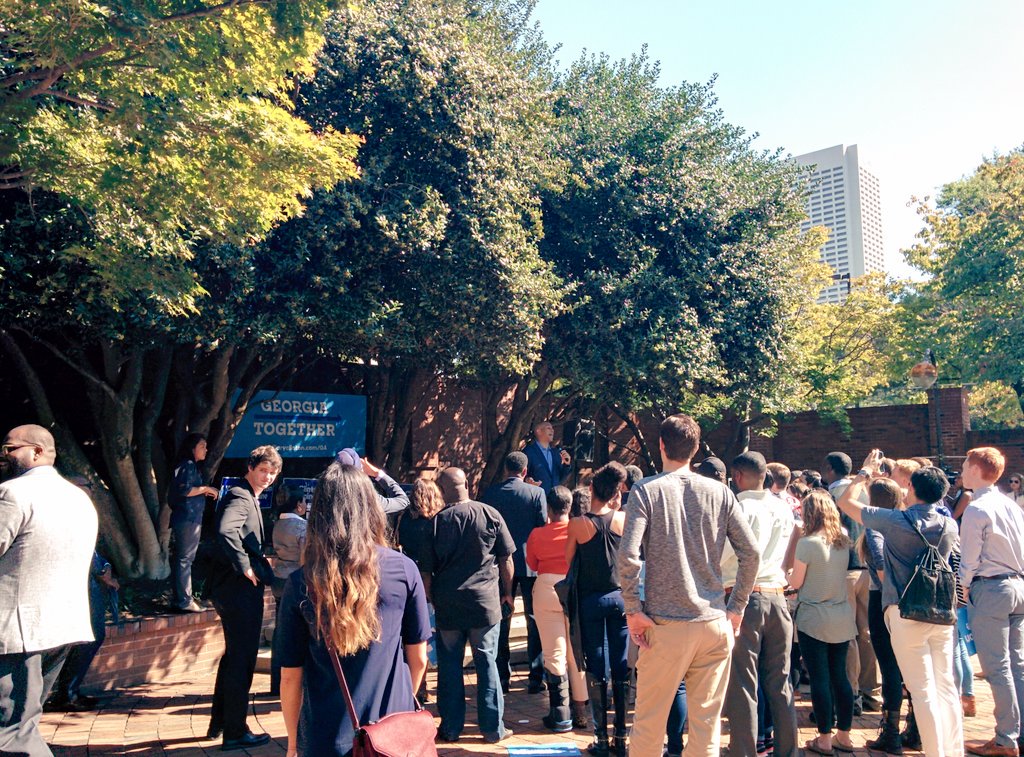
(301, 424)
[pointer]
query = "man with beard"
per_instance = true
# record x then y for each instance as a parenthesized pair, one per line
(47, 535)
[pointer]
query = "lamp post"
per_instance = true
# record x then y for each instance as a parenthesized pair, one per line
(924, 376)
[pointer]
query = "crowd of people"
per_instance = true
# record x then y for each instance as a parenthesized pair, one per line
(709, 592)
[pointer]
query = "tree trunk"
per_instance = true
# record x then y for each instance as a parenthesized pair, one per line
(114, 412)
(153, 475)
(247, 381)
(530, 390)
(638, 434)
(378, 390)
(72, 459)
(413, 389)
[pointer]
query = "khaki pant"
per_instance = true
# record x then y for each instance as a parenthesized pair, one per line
(694, 651)
(861, 665)
(553, 627)
(925, 654)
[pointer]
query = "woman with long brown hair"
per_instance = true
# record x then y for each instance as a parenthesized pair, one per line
(824, 620)
(359, 599)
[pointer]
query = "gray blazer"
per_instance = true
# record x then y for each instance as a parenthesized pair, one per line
(47, 537)
(289, 540)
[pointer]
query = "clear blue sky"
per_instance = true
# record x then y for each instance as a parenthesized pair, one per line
(925, 89)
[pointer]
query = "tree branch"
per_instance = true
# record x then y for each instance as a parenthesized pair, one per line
(79, 100)
(83, 372)
(213, 10)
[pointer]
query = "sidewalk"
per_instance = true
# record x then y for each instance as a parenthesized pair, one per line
(172, 719)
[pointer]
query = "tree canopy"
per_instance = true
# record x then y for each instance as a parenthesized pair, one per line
(970, 309)
(163, 124)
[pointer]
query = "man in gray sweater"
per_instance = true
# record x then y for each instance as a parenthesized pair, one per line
(684, 626)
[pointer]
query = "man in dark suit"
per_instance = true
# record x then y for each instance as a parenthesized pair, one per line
(523, 508)
(236, 586)
(547, 464)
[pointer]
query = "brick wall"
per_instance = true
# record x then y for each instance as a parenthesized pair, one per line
(803, 440)
(166, 647)
(1010, 443)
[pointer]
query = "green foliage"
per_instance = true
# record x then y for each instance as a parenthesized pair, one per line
(970, 310)
(995, 406)
(842, 351)
(680, 240)
(164, 124)
(431, 255)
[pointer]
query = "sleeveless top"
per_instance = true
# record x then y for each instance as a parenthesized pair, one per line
(597, 571)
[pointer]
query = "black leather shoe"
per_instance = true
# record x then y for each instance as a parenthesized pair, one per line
(248, 741)
(81, 704)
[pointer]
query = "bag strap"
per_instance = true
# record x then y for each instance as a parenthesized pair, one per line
(343, 684)
(917, 528)
(336, 663)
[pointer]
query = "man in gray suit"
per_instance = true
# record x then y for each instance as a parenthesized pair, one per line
(47, 535)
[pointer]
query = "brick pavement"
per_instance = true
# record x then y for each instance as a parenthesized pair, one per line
(171, 718)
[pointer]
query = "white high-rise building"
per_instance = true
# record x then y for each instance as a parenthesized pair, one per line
(843, 197)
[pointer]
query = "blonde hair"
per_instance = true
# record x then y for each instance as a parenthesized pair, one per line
(884, 493)
(425, 499)
(346, 526)
(822, 516)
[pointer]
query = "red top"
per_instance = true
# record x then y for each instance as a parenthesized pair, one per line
(545, 549)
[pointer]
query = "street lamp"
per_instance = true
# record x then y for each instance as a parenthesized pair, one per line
(924, 375)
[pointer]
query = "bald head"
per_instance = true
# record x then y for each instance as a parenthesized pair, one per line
(453, 485)
(29, 446)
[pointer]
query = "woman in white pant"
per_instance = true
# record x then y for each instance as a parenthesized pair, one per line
(545, 553)
(924, 651)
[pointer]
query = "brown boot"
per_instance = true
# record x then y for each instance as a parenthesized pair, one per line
(990, 749)
(581, 715)
(970, 708)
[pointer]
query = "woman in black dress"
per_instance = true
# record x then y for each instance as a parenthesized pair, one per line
(358, 597)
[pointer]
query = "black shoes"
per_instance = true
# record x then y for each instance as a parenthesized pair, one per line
(247, 741)
(78, 704)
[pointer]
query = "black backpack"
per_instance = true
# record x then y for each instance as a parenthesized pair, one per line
(930, 594)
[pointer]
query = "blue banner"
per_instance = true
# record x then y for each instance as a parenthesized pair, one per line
(304, 485)
(301, 424)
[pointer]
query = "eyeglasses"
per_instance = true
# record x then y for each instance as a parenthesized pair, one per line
(1014, 480)
(7, 449)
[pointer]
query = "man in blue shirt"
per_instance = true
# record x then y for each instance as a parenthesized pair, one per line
(924, 651)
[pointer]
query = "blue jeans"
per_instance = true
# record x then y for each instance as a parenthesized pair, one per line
(996, 612)
(602, 614)
(451, 686)
(963, 674)
(676, 721)
(80, 657)
(186, 544)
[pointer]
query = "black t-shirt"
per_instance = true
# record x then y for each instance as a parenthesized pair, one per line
(413, 535)
(467, 542)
